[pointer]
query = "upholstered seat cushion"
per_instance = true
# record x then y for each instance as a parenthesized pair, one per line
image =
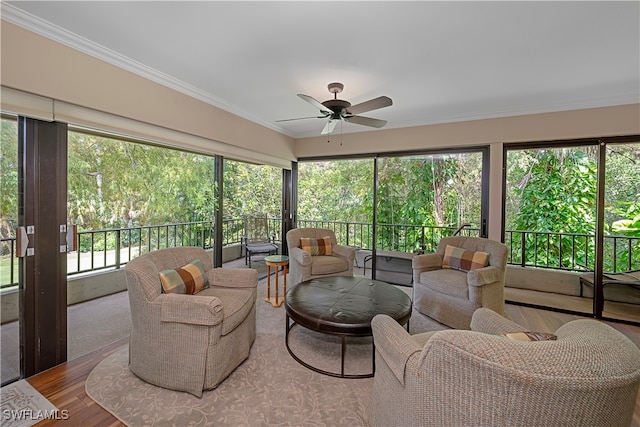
(236, 303)
(327, 265)
(446, 281)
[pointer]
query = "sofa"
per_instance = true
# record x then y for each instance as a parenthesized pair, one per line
(189, 342)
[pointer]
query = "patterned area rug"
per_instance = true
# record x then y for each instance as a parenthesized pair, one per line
(22, 406)
(269, 388)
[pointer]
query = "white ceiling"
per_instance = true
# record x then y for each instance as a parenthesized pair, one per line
(438, 61)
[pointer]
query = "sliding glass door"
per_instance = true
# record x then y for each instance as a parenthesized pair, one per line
(621, 237)
(422, 198)
(402, 204)
(550, 223)
(252, 209)
(9, 275)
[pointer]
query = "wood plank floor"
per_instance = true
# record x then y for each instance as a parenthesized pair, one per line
(64, 385)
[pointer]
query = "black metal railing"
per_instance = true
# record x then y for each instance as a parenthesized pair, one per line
(571, 251)
(111, 249)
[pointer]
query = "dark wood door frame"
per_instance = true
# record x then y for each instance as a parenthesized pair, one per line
(42, 201)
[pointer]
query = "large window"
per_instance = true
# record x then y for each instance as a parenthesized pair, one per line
(128, 198)
(423, 198)
(338, 194)
(621, 243)
(255, 191)
(552, 228)
(10, 337)
(420, 198)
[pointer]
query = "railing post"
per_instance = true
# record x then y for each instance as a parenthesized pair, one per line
(118, 248)
(522, 249)
(348, 234)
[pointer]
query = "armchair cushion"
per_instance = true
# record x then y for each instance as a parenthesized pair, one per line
(188, 279)
(447, 282)
(323, 264)
(464, 260)
(236, 305)
(315, 246)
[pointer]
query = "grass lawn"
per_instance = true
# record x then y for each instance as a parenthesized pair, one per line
(5, 271)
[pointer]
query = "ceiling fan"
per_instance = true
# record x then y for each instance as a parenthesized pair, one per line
(337, 109)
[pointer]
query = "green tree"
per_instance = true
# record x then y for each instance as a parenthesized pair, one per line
(557, 195)
(8, 179)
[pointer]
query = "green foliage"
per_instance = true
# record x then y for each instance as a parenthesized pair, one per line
(113, 184)
(557, 196)
(442, 190)
(8, 178)
(250, 189)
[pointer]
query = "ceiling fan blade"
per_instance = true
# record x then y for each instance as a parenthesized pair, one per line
(372, 104)
(367, 121)
(329, 127)
(315, 103)
(301, 118)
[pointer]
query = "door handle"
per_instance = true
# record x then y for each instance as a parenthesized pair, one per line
(68, 238)
(22, 241)
(72, 238)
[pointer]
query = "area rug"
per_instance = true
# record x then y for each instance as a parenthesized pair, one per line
(21, 405)
(269, 388)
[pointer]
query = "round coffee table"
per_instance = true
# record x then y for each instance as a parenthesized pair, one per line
(343, 306)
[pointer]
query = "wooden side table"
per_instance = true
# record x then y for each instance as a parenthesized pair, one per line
(276, 261)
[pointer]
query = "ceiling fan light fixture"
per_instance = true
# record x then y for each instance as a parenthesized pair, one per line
(335, 87)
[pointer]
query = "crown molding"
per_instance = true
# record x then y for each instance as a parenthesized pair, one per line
(60, 35)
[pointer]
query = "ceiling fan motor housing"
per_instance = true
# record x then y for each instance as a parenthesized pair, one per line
(338, 106)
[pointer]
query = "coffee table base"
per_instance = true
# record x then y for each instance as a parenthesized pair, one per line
(342, 356)
(343, 352)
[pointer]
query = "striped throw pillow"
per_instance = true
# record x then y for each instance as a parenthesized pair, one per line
(188, 279)
(464, 260)
(316, 246)
(529, 336)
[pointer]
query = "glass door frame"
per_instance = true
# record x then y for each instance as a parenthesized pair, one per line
(601, 143)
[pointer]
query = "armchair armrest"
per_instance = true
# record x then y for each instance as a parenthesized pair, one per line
(191, 309)
(393, 343)
(490, 322)
(427, 262)
(344, 251)
(233, 277)
(300, 256)
(483, 276)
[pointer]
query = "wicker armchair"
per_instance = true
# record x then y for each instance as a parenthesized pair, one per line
(304, 266)
(189, 342)
(589, 376)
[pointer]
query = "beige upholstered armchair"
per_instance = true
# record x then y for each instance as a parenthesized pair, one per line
(451, 295)
(305, 266)
(189, 342)
(588, 376)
